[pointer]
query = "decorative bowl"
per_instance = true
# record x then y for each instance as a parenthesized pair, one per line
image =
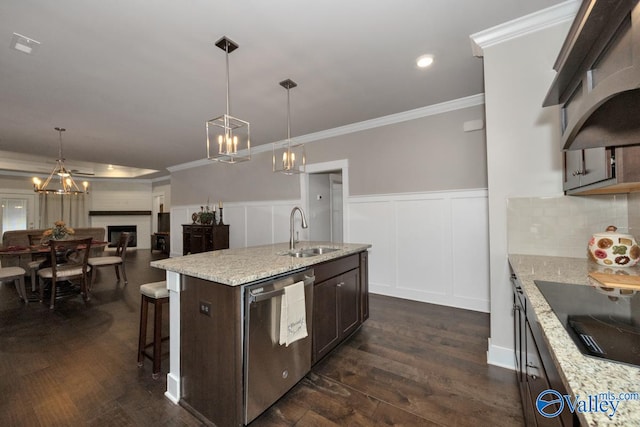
(614, 249)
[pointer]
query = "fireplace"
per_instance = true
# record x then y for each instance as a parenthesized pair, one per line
(113, 233)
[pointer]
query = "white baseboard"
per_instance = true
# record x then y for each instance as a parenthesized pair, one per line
(500, 356)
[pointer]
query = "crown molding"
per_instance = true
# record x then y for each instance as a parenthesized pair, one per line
(524, 25)
(430, 110)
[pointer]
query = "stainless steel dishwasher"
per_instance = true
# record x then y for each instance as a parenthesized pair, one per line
(271, 369)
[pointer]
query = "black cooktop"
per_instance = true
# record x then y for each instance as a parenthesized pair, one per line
(603, 322)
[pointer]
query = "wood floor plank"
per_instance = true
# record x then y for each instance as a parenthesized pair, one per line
(411, 364)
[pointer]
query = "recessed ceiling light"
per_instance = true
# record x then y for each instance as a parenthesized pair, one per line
(424, 61)
(24, 44)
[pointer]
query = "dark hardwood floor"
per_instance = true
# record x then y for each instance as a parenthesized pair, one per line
(411, 364)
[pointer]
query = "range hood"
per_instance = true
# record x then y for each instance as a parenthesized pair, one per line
(598, 76)
(615, 122)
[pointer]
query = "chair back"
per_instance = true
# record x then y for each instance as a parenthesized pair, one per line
(36, 240)
(121, 248)
(70, 256)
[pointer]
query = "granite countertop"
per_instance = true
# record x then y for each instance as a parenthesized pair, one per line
(581, 375)
(235, 267)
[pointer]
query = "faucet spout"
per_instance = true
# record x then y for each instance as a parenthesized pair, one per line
(292, 241)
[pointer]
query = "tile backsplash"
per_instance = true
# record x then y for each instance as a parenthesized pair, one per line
(563, 225)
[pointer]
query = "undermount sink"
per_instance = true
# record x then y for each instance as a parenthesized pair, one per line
(309, 252)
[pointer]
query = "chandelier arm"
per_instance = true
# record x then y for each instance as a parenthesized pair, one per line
(67, 183)
(48, 180)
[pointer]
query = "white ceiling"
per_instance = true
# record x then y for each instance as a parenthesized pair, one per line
(134, 81)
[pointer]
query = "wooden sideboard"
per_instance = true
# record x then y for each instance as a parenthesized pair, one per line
(198, 238)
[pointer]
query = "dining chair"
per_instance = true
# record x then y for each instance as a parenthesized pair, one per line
(117, 260)
(69, 261)
(36, 260)
(15, 274)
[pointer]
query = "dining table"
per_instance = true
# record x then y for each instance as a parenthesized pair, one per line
(18, 251)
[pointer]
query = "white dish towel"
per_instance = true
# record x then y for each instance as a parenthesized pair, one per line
(293, 317)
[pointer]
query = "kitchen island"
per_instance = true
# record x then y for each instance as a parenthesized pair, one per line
(581, 375)
(210, 286)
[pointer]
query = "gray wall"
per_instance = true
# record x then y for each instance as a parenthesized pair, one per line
(427, 154)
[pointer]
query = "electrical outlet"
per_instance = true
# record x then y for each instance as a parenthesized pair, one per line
(205, 308)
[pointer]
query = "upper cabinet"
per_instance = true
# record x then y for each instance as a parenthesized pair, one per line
(598, 77)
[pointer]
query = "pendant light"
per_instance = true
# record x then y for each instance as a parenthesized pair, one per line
(289, 158)
(62, 175)
(228, 138)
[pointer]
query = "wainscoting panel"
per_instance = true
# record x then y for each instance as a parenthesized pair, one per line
(430, 247)
(374, 222)
(235, 217)
(471, 251)
(423, 246)
(259, 225)
(179, 215)
(250, 223)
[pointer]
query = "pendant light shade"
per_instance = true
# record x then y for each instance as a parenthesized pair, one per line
(289, 158)
(60, 180)
(228, 138)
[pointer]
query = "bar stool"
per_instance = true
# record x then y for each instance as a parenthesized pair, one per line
(157, 294)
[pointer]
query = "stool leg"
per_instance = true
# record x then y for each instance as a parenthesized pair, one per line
(142, 341)
(157, 337)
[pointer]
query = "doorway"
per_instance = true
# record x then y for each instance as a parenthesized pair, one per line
(324, 191)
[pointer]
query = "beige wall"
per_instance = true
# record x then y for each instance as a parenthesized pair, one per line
(15, 182)
(523, 151)
(427, 154)
(252, 180)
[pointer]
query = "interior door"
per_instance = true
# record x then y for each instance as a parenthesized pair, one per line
(336, 207)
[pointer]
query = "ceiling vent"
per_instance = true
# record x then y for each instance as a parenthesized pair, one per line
(24, 44)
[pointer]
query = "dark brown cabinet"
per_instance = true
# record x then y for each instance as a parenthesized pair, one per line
(198, 238)
(599, 75)
(364, 284)
(602, 170)
(535, 369)
(338, 297)
(217, 394)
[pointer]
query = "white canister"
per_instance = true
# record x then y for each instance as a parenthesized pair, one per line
(614, 249)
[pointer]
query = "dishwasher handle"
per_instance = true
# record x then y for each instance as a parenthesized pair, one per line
(262, 296)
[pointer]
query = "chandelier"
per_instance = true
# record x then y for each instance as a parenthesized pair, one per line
(228, 138)
(60, 175)
(293, 156)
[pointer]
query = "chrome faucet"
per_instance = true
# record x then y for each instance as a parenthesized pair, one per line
(292, 241)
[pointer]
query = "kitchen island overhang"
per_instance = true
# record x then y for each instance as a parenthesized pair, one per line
(234, 269)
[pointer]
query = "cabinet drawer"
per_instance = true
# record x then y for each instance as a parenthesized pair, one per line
(336, 267)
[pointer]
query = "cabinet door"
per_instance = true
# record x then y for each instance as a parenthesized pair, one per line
(348, 302)
(220, 237)
(596, 166)
(584, 167)
(364, 285)
(537, 380)
(572, 169)
(325, 317)
(186, 240)
(197, 240)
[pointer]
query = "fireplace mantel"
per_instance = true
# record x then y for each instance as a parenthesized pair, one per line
(114, 213)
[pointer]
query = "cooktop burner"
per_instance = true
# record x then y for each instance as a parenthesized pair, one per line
(604, 322)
